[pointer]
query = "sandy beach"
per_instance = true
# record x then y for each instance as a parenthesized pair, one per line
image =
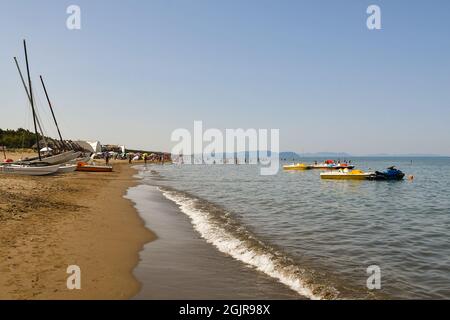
(49, 223)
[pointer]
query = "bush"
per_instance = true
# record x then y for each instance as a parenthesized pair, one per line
(15, 139)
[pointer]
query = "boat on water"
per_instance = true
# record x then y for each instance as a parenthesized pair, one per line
(82, 166)
(297, 166)
(390, 174)
(332, 166)
(346, 174)
(28, 170)
(324, 166)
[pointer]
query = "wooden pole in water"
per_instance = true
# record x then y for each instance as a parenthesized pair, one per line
(51, 109)
(31, 100)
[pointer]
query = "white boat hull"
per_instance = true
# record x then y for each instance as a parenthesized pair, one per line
(67, 168)
(82, 159)
(28, 170)
(56, 159)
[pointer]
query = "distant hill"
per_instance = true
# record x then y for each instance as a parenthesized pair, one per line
(326, 155)
(405, 155)
(289, 155)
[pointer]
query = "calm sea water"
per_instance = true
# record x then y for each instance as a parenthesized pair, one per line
(317, 237)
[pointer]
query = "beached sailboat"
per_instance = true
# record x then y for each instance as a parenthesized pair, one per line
(52, 159)
(28, 170)
(67, 168)
(81, 159)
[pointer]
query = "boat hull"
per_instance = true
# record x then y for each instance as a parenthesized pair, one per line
(80, 159)
(345, 176)
(67, 168)
(297, 167)
(336, 167)
(28, 170)
(56, 159)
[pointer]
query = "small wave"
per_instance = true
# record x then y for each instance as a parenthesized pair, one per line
(232, 239)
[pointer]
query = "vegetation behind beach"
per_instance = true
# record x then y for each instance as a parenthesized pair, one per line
(14, 139)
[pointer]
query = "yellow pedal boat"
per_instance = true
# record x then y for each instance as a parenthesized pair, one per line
(347, 175)
(297, 166)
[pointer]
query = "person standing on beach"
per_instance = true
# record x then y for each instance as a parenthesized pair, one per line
(145, 158)
(107, 158)
(130, 157)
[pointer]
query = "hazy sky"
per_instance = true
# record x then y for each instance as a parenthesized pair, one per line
(137, 70)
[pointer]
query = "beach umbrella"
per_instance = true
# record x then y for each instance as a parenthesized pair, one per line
(46, 149)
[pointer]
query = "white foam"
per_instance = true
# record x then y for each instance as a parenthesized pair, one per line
(227, 243)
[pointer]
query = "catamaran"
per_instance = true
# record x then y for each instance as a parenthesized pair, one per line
(67, 168)
(42, 164)
(51, 160)
(28, 170)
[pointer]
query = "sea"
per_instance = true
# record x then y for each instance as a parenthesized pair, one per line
(227, 232)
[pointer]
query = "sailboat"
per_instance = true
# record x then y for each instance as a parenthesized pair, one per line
(63, 157)
(67, 168)
(40, 165)
(28, 170)
(51, 160)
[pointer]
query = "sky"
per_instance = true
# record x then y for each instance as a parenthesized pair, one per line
(137, 70)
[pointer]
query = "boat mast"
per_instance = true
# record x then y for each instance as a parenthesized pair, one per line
(51, 109)
(31, 100)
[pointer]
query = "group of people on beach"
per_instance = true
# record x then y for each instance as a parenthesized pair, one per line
(153, 157)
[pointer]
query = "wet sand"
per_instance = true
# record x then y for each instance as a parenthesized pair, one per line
(179, 264)
(48, 223)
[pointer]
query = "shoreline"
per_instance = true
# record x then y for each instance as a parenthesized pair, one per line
(178, 263)
(47, 224)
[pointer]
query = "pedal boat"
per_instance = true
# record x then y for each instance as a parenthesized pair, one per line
(332, 166)
(82, 166)
(297, 166)
(346, 174)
